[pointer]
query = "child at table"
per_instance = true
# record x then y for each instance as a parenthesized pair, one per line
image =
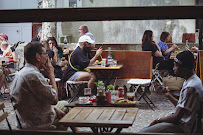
(6, 50)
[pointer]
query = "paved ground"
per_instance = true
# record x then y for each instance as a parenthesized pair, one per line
(144, 117)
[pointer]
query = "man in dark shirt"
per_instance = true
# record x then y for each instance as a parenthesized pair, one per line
(38, 36)
(79, 60)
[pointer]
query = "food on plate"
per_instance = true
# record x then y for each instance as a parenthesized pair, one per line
(65, 51)
(96, 62)
(123, 101)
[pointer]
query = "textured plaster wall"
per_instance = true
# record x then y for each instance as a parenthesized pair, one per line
(130, 32)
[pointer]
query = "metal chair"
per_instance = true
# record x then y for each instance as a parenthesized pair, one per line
(4, 115)
(156, 77)
(74, 89)
(141, 87)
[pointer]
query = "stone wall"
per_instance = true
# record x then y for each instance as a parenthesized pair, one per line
(131, 32)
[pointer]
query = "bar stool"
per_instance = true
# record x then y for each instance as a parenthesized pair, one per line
(74, 89)
(58, 81)
(141, 86)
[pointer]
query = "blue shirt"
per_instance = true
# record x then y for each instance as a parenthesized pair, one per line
(163, 46)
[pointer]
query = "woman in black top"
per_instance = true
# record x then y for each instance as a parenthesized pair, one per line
(149, 45)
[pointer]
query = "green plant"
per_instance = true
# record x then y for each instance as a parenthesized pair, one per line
(110, 87)
(99, 83)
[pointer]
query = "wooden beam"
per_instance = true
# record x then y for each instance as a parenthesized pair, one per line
(101, 14)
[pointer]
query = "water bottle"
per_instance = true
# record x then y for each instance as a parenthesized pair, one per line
(109, 58)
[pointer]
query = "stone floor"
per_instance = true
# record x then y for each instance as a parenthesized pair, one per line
(144, 116)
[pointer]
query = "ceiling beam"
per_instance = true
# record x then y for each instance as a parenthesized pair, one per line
(101, 14)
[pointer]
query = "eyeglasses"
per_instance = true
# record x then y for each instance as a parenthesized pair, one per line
(45, 54)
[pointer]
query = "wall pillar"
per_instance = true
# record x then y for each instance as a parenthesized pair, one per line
(49, 29)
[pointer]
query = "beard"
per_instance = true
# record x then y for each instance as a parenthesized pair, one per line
(87, 49)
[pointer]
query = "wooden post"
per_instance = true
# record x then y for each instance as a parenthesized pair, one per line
(49, 29)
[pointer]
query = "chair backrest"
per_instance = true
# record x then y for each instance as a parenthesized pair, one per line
(14, 108)
(4, 116)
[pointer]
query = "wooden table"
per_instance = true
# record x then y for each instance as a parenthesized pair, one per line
(104, 76)
(100, 119)
(94, 104)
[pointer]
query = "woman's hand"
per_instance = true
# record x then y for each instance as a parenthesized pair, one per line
(174, 46)
(55, 50)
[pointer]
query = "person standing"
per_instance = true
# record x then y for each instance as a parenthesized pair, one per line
(79, 60)
(34, 98)
(38, 36)
(183, 119)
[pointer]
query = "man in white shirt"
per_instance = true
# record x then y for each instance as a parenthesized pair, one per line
(83, 30)
(33, 96)
(183, 119)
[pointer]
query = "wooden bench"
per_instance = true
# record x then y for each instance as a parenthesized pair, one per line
(136, 64)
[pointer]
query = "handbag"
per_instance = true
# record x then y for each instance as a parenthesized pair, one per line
(173, 83)
(188, 36)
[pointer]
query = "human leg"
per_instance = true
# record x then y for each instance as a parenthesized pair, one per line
(2, 78)
(162, 128)
(87, 76)
(60, 108)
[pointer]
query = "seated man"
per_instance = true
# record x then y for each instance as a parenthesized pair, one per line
(79, 60)
(33, 96)
(183, 119)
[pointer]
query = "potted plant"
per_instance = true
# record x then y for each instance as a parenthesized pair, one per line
(100, 92)
(108, 92)
(100, 87)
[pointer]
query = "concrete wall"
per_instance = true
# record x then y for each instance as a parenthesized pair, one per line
(131, 32)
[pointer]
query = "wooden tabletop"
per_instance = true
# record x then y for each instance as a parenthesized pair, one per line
(100, 117)
(94, 104)
(103, 68)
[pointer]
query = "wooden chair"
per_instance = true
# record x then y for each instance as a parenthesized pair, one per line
(4, 115)
(74, 89)
(141, 85)
(14, 108)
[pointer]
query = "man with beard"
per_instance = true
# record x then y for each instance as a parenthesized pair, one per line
(183, 119)
(79, 60)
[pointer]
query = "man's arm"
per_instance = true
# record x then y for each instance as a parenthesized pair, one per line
(173, 118)
(98, 52)
(167, 93)
(49, 69)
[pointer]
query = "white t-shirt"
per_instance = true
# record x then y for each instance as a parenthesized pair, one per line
(190, 101)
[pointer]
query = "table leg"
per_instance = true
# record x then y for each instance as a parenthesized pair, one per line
(118, 130)
(94, 130)
(73, 129)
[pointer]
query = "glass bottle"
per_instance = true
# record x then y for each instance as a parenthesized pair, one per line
(109, 58)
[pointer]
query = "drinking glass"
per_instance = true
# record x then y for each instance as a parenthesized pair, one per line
(115, 63)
